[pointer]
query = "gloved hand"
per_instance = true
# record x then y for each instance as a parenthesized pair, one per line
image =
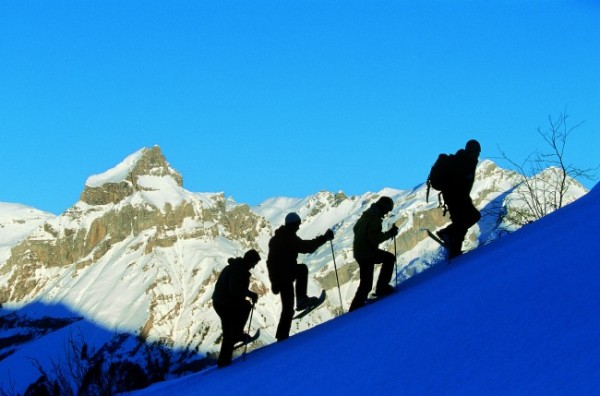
(393, 231)
(329, 235)
(253, 296)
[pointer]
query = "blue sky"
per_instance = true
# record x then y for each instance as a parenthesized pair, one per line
(273, 98)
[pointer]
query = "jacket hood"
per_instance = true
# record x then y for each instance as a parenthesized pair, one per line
(374, 210)
(239, 261)
(283, 230)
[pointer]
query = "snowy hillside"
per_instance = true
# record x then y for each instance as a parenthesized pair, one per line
(519, 316)
(16, 223)
(133, 263)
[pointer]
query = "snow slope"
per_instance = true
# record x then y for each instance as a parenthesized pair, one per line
(517, 316)
(16, 223)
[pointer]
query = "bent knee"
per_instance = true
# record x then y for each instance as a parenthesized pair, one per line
(388, 257)
(302, 269)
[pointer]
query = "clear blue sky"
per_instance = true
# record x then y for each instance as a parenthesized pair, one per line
(285, 98)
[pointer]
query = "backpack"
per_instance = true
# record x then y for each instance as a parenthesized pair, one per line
(441, 175)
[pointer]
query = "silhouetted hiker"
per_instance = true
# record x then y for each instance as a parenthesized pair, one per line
(457, 197)
(368, 235)
(284, 270)
(229, 300)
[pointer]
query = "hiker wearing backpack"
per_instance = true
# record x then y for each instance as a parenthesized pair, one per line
(368, 235)
(456, 191)
(284, 270)
(230, 303)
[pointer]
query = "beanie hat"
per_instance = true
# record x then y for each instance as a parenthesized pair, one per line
(252, 256)
(292, 218)
(386, 204)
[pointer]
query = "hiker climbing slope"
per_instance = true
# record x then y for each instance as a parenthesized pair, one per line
(457, 198)
(367, 237)
(229, 300)
(284, 270)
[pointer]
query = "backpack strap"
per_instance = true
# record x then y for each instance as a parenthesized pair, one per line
(441, 203)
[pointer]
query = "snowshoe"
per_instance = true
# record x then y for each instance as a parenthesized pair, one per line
(309, 305)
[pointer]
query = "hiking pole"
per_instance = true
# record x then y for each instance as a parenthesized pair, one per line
(248, 332)
(336, 277)
(395, 263)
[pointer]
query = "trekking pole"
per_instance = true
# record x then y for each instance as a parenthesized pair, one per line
(336, 277)
(248, 332)
(395, 263)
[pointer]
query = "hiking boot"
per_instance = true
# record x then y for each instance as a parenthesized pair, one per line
(354, 306)
(305, 302)
(445, 237)
(455, 254)
(384, 291)
(244, 338)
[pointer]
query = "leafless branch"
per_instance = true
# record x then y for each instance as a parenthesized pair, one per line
(543, 178)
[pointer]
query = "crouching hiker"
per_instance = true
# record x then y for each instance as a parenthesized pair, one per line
(284, 248)
(229, 300)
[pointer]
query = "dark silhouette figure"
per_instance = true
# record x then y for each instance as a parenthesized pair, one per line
(368, 235)
(229, 300)
(284, 270)
(458, 200)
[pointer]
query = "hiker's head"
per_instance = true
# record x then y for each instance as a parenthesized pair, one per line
(385, 204)
(292, 220)
(473, 148)
(251, 258)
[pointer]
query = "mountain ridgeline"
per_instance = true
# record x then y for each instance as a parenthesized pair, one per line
(139, 254)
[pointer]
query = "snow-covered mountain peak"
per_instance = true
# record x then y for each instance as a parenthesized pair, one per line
(144, 162)
(146, 171)
(117, 174)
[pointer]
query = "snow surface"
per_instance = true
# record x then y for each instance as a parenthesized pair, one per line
(116, 174)
(17, 222)
(160, 190)
(517, 316)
